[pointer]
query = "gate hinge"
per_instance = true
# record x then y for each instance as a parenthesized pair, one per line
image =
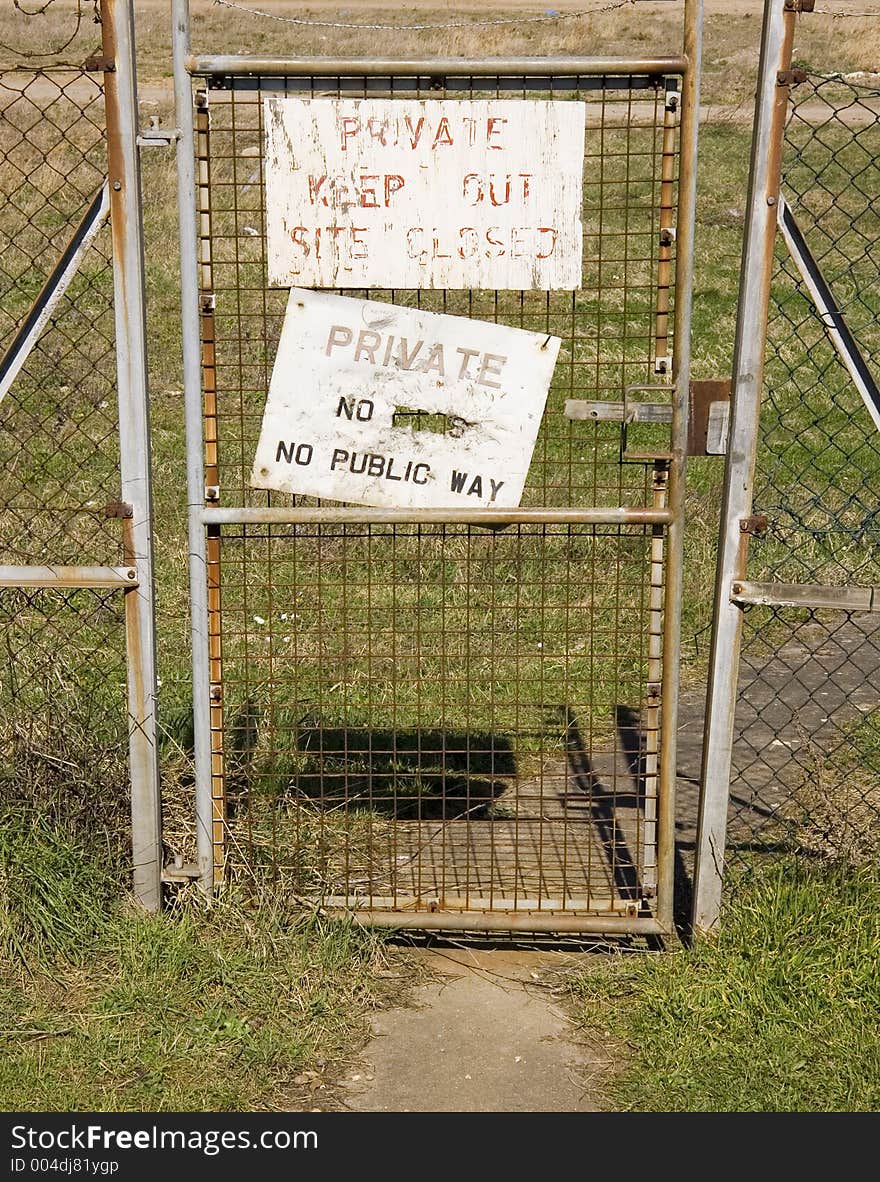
(99, 63)
(791, 77)
(179, 871)
(156, 136)
(756, 524)
(118, 509)
(800, 5)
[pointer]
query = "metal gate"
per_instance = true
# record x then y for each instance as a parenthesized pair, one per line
(75, 487)
(448, 719)
(790, 759)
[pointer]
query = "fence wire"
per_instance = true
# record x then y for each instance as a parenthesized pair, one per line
(807, 749)
(63, 728)
(59, 450)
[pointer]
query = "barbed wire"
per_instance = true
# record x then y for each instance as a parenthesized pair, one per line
(40, 10)
(546, 18)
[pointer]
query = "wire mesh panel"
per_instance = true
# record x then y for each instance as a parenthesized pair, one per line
(58, 421)
(63, 734)
(64, 730)
(806, 752)
(425, 716)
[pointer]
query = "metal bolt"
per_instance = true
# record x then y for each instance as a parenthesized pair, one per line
(771, 200)
(117, 185)
(132, 574)
(737, 588)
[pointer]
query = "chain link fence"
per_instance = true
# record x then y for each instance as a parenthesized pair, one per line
(807, 748)
(63, 732)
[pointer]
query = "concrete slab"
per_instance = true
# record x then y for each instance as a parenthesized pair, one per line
(483, 1037)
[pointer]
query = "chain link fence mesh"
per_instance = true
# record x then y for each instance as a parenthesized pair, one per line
(63, 730)
(807, 748)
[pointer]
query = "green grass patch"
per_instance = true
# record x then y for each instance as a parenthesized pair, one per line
(779, 1012)
(227, 1009)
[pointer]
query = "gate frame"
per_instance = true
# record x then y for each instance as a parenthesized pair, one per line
(203, 519)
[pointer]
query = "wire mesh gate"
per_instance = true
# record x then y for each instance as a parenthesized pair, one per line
(452, 718)
(801, 703)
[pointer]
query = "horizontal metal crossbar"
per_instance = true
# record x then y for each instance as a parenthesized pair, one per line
(808, 595)
(575, 68)
(614, 515)
(68, 576)
(480, 921)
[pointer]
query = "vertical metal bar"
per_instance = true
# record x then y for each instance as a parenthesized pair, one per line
(654, 695)
(212, 481)
(195, 474)
(120, 95)
(681, 358)
(667, 213)
(748, 367)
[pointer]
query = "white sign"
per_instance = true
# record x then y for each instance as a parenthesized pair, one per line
(424, 193)
(380, 405)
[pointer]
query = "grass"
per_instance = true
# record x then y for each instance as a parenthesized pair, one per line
(778, 1013)
(230, 1008)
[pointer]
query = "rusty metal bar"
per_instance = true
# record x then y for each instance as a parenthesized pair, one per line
(612, 515)
(126, 221)
(807, 595)
(681, 358)
(69, 576)
(53, 289)
(195, 460)
(222, 65)
(662, 360)
(748, 368)
(482, 921)
(212, 484)
(654, 690)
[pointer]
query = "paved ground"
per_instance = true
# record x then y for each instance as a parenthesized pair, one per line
(484, 1036)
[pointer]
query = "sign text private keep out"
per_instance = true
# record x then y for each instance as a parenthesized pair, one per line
(424, 193)
(380, 405)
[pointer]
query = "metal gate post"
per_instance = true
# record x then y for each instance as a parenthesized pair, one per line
(748, 366)
(195, 462)
(681, 356)
(120, 91)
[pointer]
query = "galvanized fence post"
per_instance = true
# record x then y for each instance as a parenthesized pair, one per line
(748, 366)
(120, 88)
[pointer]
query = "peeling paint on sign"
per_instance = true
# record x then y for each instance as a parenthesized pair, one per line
(375, 404)
(424, 193)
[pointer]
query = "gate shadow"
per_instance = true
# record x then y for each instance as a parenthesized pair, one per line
(407, 774)
(603, 803)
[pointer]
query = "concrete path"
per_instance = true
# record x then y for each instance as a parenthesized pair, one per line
(483, 1036)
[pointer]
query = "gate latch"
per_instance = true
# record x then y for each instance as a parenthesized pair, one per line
(118, 509)
(756, 524)
(99, 63)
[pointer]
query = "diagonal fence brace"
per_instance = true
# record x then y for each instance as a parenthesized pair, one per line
(53, 290)
(829, 311)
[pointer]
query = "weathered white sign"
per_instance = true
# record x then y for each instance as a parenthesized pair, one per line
(424, 193)
(380, 405)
